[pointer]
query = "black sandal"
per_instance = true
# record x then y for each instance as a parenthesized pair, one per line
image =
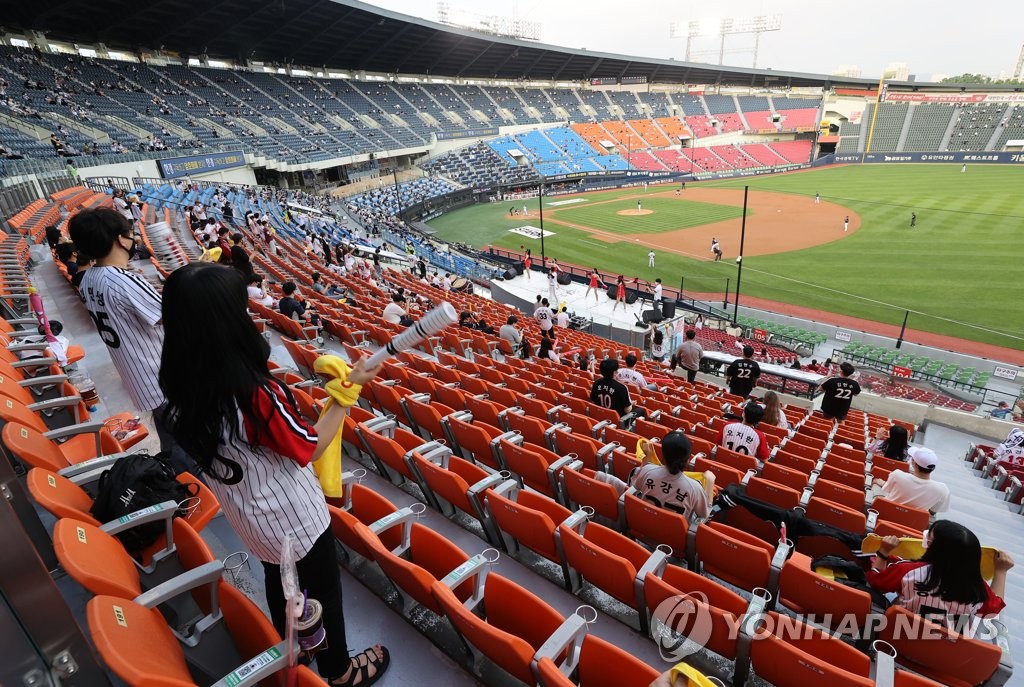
(359, 671)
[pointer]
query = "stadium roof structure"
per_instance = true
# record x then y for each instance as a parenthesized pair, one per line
(351, 35)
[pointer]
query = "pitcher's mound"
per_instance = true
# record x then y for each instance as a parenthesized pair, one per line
(634, 213)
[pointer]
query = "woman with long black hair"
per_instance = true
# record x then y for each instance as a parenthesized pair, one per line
(947, 579)
(254, 449)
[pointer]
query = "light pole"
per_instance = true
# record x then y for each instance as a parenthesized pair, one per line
(739, 259)
(540, 202)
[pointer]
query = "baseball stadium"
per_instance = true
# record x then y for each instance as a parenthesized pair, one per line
(508, 363)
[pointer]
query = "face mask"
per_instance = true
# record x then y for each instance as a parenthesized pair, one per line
(131, 250)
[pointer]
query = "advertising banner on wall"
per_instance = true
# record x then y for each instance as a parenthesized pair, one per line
(173, 167)
(958, 158)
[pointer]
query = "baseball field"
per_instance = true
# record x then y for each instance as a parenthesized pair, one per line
(957, 271)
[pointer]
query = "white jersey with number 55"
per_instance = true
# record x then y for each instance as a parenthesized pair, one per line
(126, 310)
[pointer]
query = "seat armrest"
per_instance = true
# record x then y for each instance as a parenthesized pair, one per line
(42, 380)
(91, 427)
(567, 640)
(87, 471)
(17, 348)
(144, 516)
(44, 361)
(258, 668)
(54, 403)
(403, 517)
(196, 577)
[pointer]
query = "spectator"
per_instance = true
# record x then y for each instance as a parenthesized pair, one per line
(839, 393)
(947, 580)
(609, 393)
(1001, 411)
(255, 449)
(742, 374)
(688, 356)
(562, 318)
(395, 310)
(329, 290)
(225, 246)
(68, 256)
(211, 251)
(1010, 453)
(84, 263)
(545, 318)
(256, 292)
(466, 319)
(239, 257)
(744, 437)
(126, 311)
(121, 205)
(52, 236)
(510, 332)
(482, 326)
(294, 306)
(547, 349)
(892, 443)
(773, 413)
(630, 375)
(657, 342)
(664, 483)
(916, 488)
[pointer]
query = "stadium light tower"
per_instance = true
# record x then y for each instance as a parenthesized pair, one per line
(698, 28)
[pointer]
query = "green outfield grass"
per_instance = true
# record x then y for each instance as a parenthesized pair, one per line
(959, 268)
(669, 214)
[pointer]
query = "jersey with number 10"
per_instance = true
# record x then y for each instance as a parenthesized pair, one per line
(744, 439)
(126, 310)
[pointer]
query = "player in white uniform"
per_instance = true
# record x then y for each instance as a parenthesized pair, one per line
(126, 310)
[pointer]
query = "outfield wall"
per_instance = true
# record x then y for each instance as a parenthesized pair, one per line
(956, 158)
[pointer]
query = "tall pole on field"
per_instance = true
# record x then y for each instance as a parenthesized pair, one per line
(739, 259)
(903, 329)
(398, 197)
(540, 200)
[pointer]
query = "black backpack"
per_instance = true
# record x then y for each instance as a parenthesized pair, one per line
(133, 483)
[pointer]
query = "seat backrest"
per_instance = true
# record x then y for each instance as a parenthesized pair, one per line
(936, 652)
(734, 556)
(59, 495)
(780, 474)
(819, 660)
(116, 626)
(668, 593)
(583, 490)
(854, 480)
(794, 462)
(387, 451)
(28, 445)
(528, 526)
(206, 504)
(837, 515)
(773, 493)
(913, 518)
(432, 556)
(656, 525)
(475, 440)
(603, 664)
(608, 564)
(724, 474)
(510, 609)
(582, 445)
(529, 462)
(807, 593)
(803, 450)
(740, 461)
(95, 559)
(839, 493)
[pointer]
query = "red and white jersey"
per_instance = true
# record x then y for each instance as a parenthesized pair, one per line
(1012, 448)
(745, 439)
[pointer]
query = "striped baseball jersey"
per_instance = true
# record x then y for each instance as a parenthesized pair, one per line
(126, 311)
(903, 577)
(279, 494)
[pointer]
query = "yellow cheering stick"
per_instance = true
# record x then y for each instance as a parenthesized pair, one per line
(912, 549)
(328, 468)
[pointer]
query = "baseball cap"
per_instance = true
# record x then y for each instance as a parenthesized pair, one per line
(923, 457)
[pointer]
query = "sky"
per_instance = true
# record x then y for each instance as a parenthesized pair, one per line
(938, 37)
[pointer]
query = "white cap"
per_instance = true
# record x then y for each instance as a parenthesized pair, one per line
(923, 457)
